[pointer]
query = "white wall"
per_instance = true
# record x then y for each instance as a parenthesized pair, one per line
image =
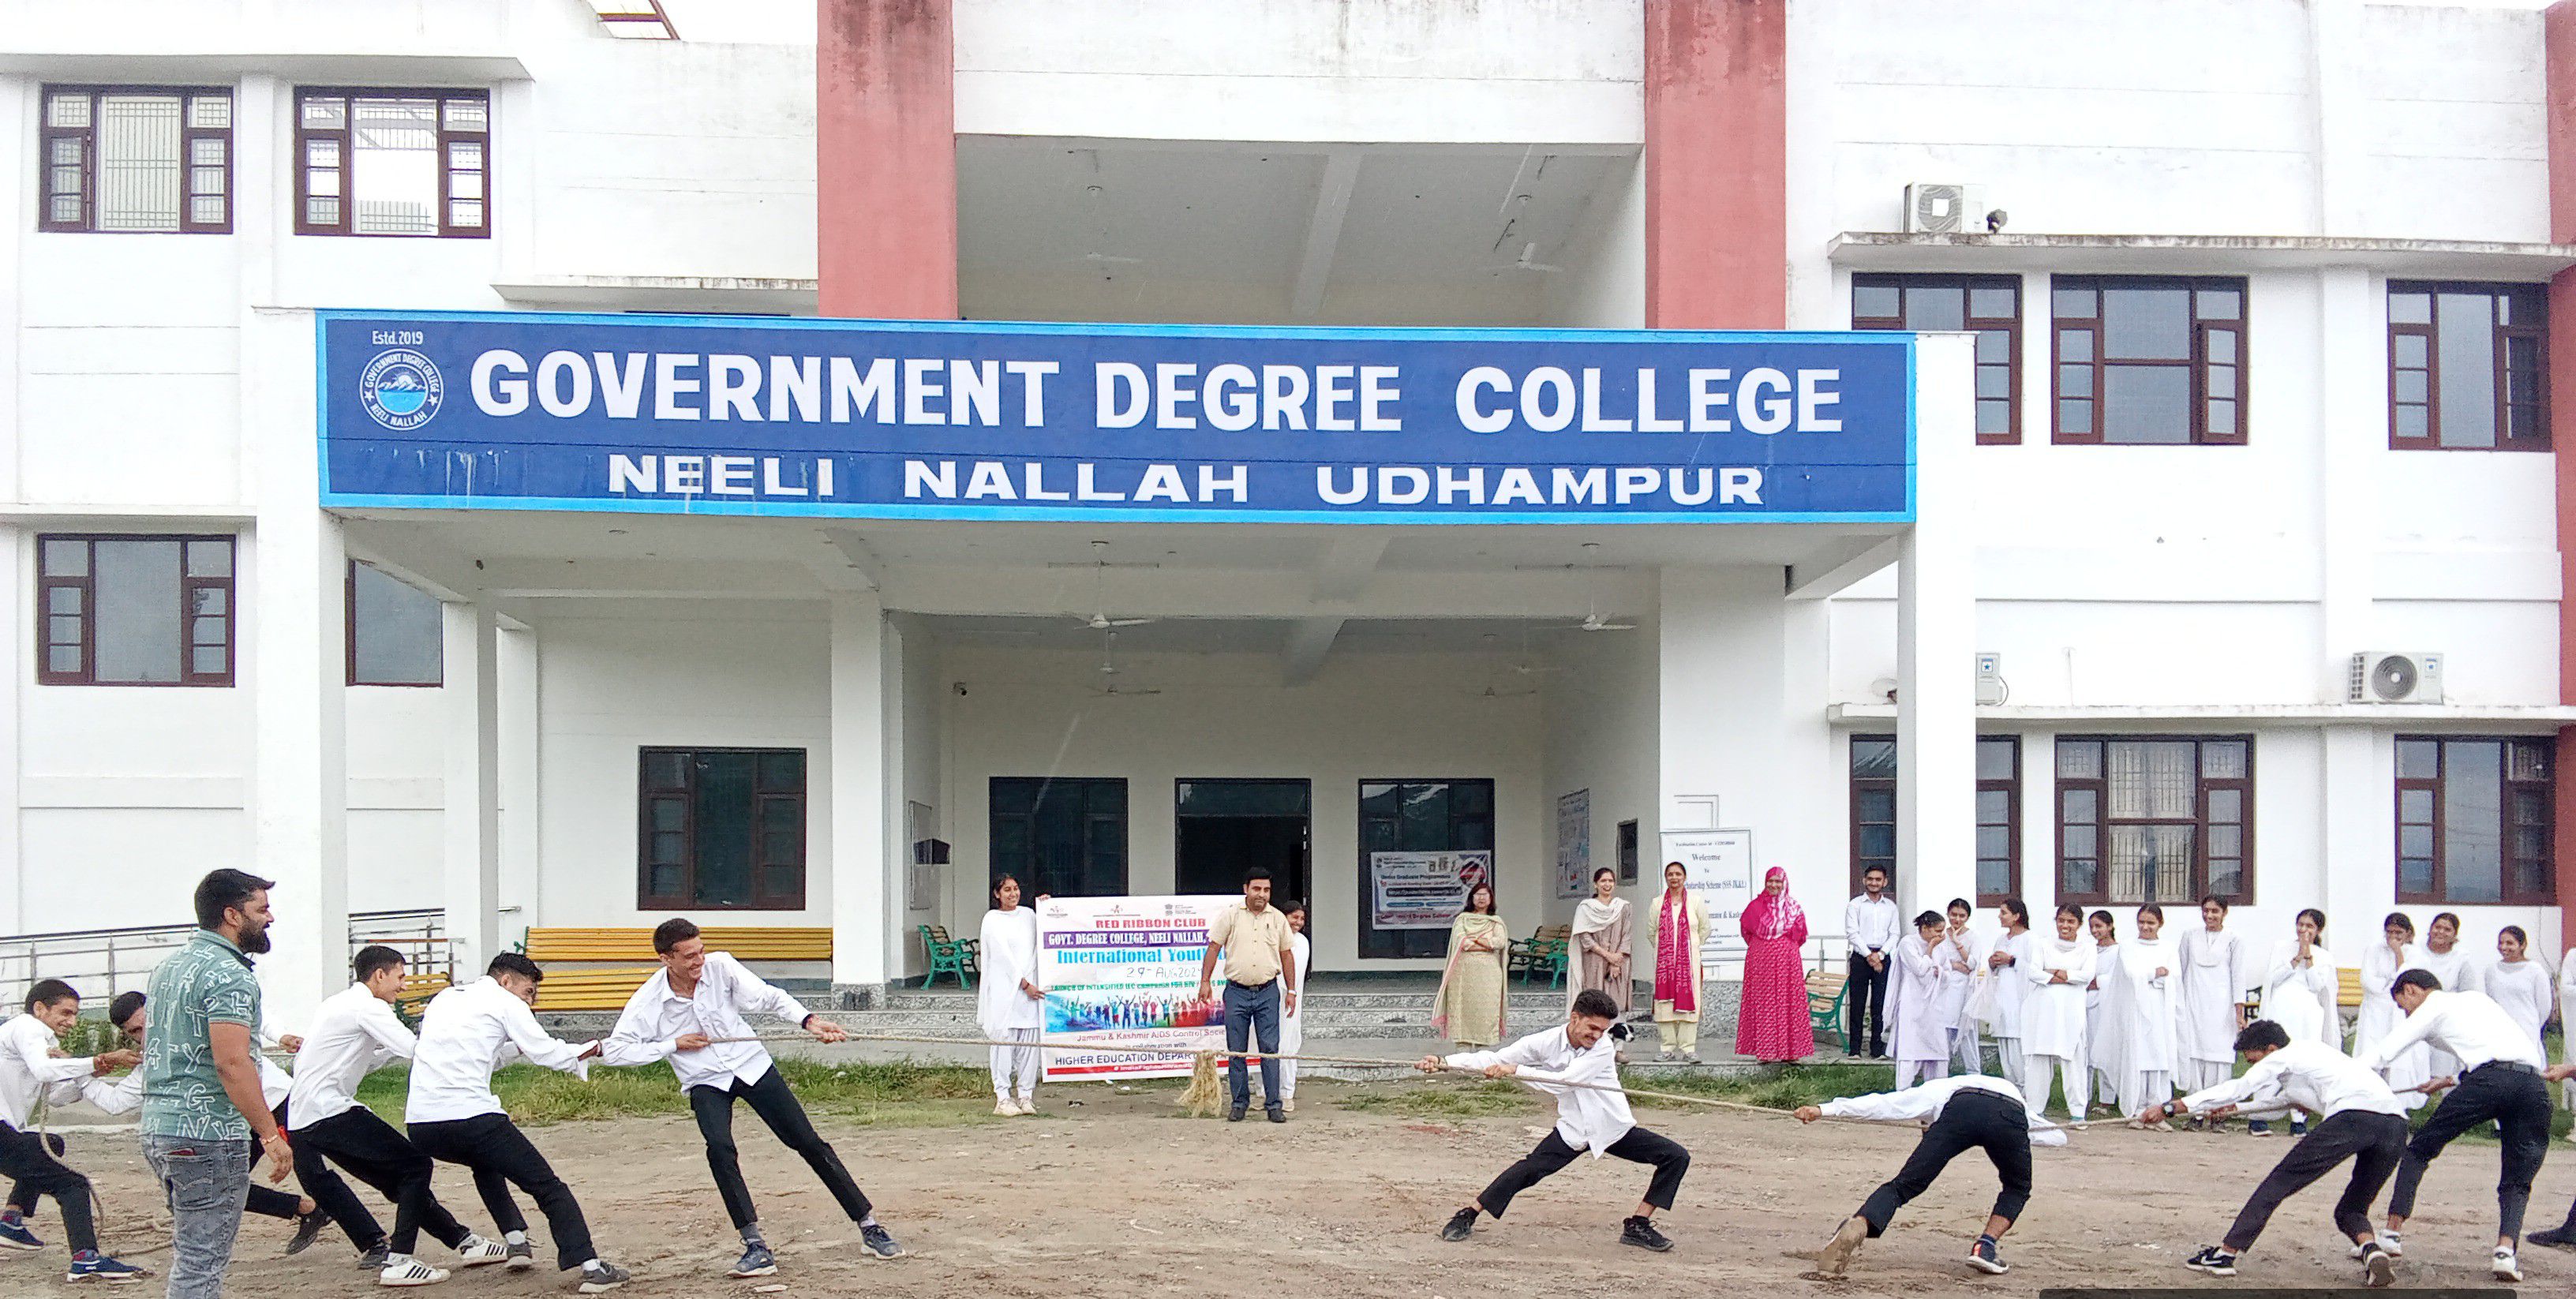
(1603, 711)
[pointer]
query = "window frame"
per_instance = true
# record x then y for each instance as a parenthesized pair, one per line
(762, 898)
(349, 634)
(2010, 788)
(346, 227)
(1027, 871)
(2506, 788)
(87, 585)
(2203, 786)
(1968, 285)
(2198, 363)
(2430, 332)
(1855, 785)
(87, 224)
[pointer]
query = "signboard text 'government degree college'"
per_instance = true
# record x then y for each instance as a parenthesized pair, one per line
(905, 419)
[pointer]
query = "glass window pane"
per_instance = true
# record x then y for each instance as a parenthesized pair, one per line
(63, 599)
(1012, 796)
(322, 212)
(1994, 807)
(722, 836)
(667, 813)
(206, 151)
(2220, 345)
(2226, 841)
(63, 658)
(1873, 757)
(1936, 308)
(465, 215)
(325, 112)
(2075, 417)
(1874, 805)
(783, 771)
(2529, 760)
(138, 611)
(2066, 301)
(2410, 308)
(2152, 779)
(323, 152)
(2411, 386)
(2075, 381)
(138, 162)
(206, 661)
(2146, 324)
(1994, 876)
(2419, 759)
(1993, 381)
(396, 630)
(465, 155)
(2078, 807)
(466, 113)
(1994, 347)
(1994, 416)
(2411, 350)
(2472, 820)
(666, 770)
(2080, 875)
(2220, 381)
(66, 558)
(2075, 345)
(2218, 304)
(2151, 863)
(2146, 404)
(2415, 840)
(2414, 875)
(1105, 796)
(208, 631)
(2466, 335)
(2226, 806)
(1996, 758)
(2413, 422)
(69, 110)
(210, 559)
(2079, 759)
(2220, 422)
(1874, 301)
(2223, 759)
(2002, 303)
(1994, 841)
(1877, 841)
(393, 166)
(210, 112)
(2415, 806)
(2227, 878)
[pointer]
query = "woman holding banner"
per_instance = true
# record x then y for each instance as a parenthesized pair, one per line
(1681, 934)
(1469, 1010)
(1773, 1025)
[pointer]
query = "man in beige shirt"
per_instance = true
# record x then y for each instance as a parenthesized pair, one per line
(1253, 938)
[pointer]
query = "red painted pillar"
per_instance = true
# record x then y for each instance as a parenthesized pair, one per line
(1717, 164)
(2559, 35)
(885, 177)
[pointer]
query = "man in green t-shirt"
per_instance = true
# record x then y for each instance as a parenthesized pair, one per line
(201, 1098)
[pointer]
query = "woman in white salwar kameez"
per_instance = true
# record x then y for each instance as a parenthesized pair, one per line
(2442, 957)
(2101, 1043)
(1922, 1039)
(2380, 1014)
(2052, 1015)
(2213, 993)
(1292, 1024)
(1010, 1007)
(2521, 985)
(2004, 964)
(1962, 970)
(2149, 1015)
(2300, 992)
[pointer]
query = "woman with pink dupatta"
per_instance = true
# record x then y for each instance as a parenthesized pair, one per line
(1773, 1024)
(1469, 1010)
(1681, 934)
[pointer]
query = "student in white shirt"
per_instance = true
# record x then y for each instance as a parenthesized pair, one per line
(29, 1071)
(1914, 997)
(1871, 928)
(2052, 1015)
(2520, 984)
(681, 1014)
(354, 1032)
(2444, 958)
(2302, 994)
(2364, 1122)
(1959, 986)
(2213, 987)
(1969, 1112)
(2149, 1013)
(2003, 964)
(2380, 1016)
(2102, 1009)
(465, 1033)
(1292, 1022)
(2500, 1083)
(1009, 1005)
(1559, 1061)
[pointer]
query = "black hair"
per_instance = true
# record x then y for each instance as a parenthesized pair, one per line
(2518, 935)
(1593, 1003)
(2398, 918)
(1293, 904)
(995, 891)
(1879, 871)
(2424, 979)
(1256, 873)
(2305, 912)
(1492, 899)
(48, 991)
(2106, 918)
(2017, 907)
(671, 933)
(2151, 909)
(372, 958)
(1961, 904)
(222, 890)
(1929, 919)
(2070, 909)
(123, 1008)
(2440, 916)
(2213, 900)
(518, 964)
(1601, 871)
(2262, 1033)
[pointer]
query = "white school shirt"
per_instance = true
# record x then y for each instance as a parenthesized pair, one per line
(2306, 1075)
(2469, 1025)
(728, 993)
(2011, 989)
(1926, 1100)
(466, 1032)
(2523, 989)
(1914, 1000)
(2303, 998)
(2212, 985)
(2151, 1016)
(27, 1071)
(353, 1032)
(1870, 926)
(1008, 955)
(2052, 1014)
(1587, 1119)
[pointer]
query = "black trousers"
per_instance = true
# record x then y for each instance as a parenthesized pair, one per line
(501, 1157)
(777, 1106)
(383, 1158)
(1553, 1154)
(36, 1172)
(2491, 1093)
(2375, 1143)
(1865, 992)
(1975, 1119)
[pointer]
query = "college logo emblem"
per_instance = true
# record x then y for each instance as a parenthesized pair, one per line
(400, 389)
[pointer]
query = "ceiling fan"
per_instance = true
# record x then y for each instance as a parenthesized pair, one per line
(1593, 618)
(1100, 619)
(1528, 261)
(1109, 672)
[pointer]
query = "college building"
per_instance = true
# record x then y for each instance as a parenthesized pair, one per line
(573, 462)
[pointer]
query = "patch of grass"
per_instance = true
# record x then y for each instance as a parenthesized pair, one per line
(1791, 1087)
(901, 1093)
(1451, 1101)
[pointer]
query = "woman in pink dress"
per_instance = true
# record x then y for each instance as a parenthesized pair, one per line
(1773, 1024)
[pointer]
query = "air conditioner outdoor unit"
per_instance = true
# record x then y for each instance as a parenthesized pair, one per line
(1944, 209)
(1991, 690)
(2396, 677)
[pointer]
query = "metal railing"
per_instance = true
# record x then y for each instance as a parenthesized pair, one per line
(100, 963)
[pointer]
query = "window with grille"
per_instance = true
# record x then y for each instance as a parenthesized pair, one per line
(136, 160)
(2473, 820)
(393, 162)
(2465, 367)
(722, 828)
(134, 611)
(2165, 819)
(1873, 813)
(2147, 360)
(1873, 807)
(397, 632)
(1990, 305)
(1060, 837)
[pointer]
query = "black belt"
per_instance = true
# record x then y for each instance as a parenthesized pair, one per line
(2515, 1065)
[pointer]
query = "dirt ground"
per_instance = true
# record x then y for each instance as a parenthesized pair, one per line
(1121, 1196)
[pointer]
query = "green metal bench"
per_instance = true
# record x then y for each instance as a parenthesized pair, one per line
(948, 956)
(1545, 952)
(1825, 993)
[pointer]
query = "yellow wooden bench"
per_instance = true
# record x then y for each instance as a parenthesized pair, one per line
(2348, 992)
(608, 989)
(417, 989)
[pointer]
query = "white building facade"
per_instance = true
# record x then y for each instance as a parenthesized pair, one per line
(2253, 375)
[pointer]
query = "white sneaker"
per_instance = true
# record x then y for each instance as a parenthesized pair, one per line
(2388, 1241)
(2505, 1266)
(474, 1251)
(1028, 1107)
(1288, 1106)
(404, 1270)
(1005, 1108)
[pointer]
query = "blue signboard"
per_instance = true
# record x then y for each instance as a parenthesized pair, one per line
(917, 419)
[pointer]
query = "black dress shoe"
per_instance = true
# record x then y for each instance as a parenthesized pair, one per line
(1278, 1115)
(1235, 1114)
(1461, 1224)
(2553, 1237)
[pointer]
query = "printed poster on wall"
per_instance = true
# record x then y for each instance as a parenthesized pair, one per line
(1574, 844)
(1720, 863)
(1125, 972)
(1424, 890)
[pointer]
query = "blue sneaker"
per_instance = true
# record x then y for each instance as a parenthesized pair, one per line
(756, 1260)
(879, 1243)
(90, 1265)
(14, 1235)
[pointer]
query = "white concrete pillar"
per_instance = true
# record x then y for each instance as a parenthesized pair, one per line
(518, 688)
(861, 867)
(2352, 376)
(471, 878)
(2039, 825)
(1936, 639)
(2358, 838)
(17, 562)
